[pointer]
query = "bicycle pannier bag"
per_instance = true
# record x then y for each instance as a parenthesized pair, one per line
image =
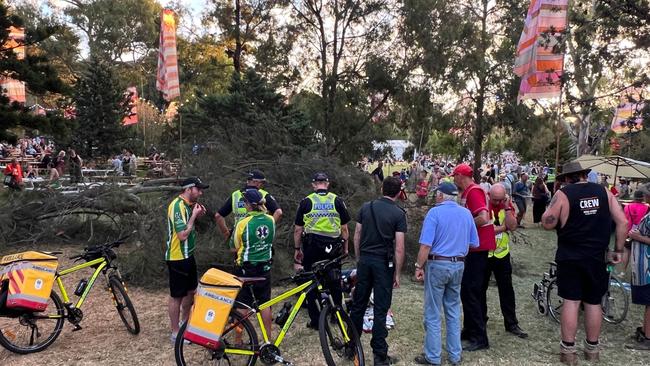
(31, 277)
(214, 298)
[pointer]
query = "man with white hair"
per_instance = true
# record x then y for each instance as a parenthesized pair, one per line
(447, 233)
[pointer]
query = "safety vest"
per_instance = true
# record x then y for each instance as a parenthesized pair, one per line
(502, 239)
(238, 205)
(323, 219)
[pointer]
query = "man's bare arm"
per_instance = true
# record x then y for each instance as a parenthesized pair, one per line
(621, 222)
(482, 219)
(551, 216)
(357, 240)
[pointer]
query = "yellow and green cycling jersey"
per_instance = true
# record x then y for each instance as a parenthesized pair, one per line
(178, 215)
(253, 238)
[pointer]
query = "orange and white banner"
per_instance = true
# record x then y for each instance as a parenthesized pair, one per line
(539, 61)
(627, 115)
(131, 106)
(167, 81)
(12, 88)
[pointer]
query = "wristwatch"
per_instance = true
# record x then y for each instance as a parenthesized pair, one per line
(417, 266)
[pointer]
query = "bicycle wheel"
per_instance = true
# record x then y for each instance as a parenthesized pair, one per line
(124, 305)
(33, 332)
(615, 302)
(339, 338)
(239, 334)
(554, 301)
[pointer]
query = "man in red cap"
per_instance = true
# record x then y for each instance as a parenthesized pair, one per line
(472, 292)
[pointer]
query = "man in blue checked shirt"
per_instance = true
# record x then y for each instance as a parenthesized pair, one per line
(447, 233)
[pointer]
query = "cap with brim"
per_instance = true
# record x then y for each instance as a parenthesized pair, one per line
(256, 175)
(571, 168)
(194, 182)
(448, 188)
(320, 177)
(253, 196)
(464, 170)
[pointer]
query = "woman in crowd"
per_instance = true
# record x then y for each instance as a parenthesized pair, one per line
(541, 196)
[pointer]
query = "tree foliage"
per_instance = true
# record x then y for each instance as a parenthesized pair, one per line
(98, 100)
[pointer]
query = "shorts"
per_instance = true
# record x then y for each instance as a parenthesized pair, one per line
(641, 295)
(582, 280)
(182, 277)
(261, 290)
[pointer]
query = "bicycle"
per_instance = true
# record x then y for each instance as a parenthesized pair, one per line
(615, 302)
(41, 329)
(338, 337)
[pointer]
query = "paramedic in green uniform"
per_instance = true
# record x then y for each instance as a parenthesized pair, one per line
(179, 255)
(253, 242)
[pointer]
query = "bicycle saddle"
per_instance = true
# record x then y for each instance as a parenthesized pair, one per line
(248, 280)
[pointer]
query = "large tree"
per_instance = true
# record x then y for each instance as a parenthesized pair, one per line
(468, 50)
(98, 100)
(605, 43)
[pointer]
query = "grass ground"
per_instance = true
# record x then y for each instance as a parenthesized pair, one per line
(104, 341)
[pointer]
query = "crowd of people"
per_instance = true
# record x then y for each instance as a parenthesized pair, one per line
(36, 159)
(464, 240)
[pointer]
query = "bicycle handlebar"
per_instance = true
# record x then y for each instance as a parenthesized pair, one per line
(102, 247)
(308, 274)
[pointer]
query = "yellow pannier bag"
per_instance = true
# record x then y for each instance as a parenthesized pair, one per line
(214, 298)
(31, 277)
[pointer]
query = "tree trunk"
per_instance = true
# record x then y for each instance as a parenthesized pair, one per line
(236, 59)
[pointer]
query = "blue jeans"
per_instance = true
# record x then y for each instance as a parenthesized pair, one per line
(442, 288)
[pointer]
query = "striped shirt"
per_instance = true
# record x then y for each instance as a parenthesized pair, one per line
(178, 215)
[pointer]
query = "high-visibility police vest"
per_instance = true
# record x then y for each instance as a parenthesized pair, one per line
(502, 239)
(323, 219)
(238, 205)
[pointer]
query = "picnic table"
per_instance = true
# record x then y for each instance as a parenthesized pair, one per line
(96, 172)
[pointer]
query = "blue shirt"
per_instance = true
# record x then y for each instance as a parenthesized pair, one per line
(449, 230)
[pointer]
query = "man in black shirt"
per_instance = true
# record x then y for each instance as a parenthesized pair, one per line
(582, 214)
(378, 173)
(321, 227)
(379, 245)
(235, 204)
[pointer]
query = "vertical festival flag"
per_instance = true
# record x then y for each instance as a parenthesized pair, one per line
(14, 89)
(167, 81)
(627, 115)
(130, 106)
(539, 61)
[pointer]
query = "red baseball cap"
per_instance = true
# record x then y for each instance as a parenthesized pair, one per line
(463, 169)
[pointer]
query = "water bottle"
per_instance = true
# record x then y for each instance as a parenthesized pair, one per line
(283, 314)
(81, 287)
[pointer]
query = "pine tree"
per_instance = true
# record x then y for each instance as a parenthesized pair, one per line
(39, 77)
(99, 113)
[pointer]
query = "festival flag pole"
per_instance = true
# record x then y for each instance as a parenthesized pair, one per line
(167, 80)
(538, 62)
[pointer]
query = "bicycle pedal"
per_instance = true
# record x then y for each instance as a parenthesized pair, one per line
(77, 327)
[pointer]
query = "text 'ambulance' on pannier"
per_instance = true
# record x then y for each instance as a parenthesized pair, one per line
(214, 298)
(26, 280)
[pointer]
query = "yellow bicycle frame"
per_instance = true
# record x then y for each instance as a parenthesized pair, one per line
(292, 315)
(99, 262)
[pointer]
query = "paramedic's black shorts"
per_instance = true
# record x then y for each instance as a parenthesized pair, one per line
(582, 280)
(182, 277)
(262, 290)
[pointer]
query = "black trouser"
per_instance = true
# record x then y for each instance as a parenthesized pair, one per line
(312, 253)
(373, 273)
(502, 269)
(473, 296)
